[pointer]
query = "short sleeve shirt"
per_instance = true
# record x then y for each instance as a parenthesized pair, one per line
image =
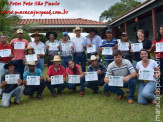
(52, 52)
(158, 54)
(70, 72)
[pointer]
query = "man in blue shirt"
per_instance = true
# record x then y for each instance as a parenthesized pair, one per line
(29, 89)
(109, 42)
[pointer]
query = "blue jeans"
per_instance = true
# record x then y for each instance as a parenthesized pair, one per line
(17, 92)
(107, 62)
(82, 85)
(20, 67)
(40, 64)
(94, 84)
(59, 87)
(65, 61)
(131, 84)
(2, 71)
(134, 64)
(29, 89)
(80, 57)
(145, 92)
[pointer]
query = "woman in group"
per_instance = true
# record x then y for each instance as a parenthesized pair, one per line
(146, 88)
(146, 45)
(29, 51)
(75, 69)
(159, 55)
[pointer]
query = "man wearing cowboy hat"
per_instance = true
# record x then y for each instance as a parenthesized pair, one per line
(11, 90)
(95, 40)
(19, 51)
(53, 70)
(3, 60)
(79, 47)
(38, 45)
(51, 36)
(109, 42)
(29, 89)
(95, 66)
(66, 49)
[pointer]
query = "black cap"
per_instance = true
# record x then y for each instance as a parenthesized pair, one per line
(109, 30)
(10, 63)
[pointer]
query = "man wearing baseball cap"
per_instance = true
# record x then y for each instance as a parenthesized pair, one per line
(19, 44)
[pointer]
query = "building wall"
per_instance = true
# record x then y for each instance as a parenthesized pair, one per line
(146, 25)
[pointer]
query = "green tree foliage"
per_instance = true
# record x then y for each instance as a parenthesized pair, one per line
(118, 9)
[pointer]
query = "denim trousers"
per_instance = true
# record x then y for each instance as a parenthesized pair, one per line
(65, 61)
(40, 64)
(80, 57)
(30, 89)
(17, 93)
(20, 67)
(145, 92)
(82, 85)
(59, 87)
(131, 84)
(2, 71)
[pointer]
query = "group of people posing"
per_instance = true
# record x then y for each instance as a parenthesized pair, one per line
(125, 63)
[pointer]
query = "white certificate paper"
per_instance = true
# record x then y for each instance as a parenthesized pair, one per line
(53, 46)
(116, 81)
(33, 80)
(91, 49)
(12, 79)
(107, 51)
(66, 47)
(39, 50)
(58, 79)
(123, 46)
(19, 45)
(159, 47)
(74, 79)
(136, 47)
(32, 57)
(5, 52)
(91, 76)
(145, 74)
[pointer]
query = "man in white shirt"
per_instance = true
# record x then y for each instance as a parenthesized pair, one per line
(79, 47)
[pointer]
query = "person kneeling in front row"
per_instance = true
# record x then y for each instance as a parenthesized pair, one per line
(30, 88)
(121, 67)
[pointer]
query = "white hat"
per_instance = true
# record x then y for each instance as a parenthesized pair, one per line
(31, 63)
(19, 31)
(56, 58)
(77, 28)
(93, 57)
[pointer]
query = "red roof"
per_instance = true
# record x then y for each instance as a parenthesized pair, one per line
(78, 21)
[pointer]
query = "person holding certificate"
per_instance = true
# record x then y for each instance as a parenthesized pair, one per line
(19, 44)
(30, 86)
(147, 72)
(159, 55)
(56, 70)
(11, 85)
(39, 49)
(126, 54)
(111, 43)
(146, 45)
(52, 46)
(75, 69)
(122, 68)
(100, 70)
(30, 56)
(66, 49)
(5, 56)
(79, 48)
(93, 43)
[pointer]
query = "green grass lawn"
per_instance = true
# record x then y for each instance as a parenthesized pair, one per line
(69, 107)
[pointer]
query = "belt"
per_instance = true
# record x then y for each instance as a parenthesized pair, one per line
(144, 81)
(79, 52)
(3, 62)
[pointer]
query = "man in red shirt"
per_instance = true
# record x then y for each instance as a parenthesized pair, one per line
(55, 70)
(6, 55)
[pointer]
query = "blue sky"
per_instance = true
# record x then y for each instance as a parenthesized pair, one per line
(87, 9)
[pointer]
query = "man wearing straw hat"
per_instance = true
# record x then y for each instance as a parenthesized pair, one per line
(79, 47)
(95, 66)
(39, 49)
(19, 44)
(29, 89)
(54, 70)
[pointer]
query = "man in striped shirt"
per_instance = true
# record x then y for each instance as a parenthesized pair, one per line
(109, 42)
(121, 67)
